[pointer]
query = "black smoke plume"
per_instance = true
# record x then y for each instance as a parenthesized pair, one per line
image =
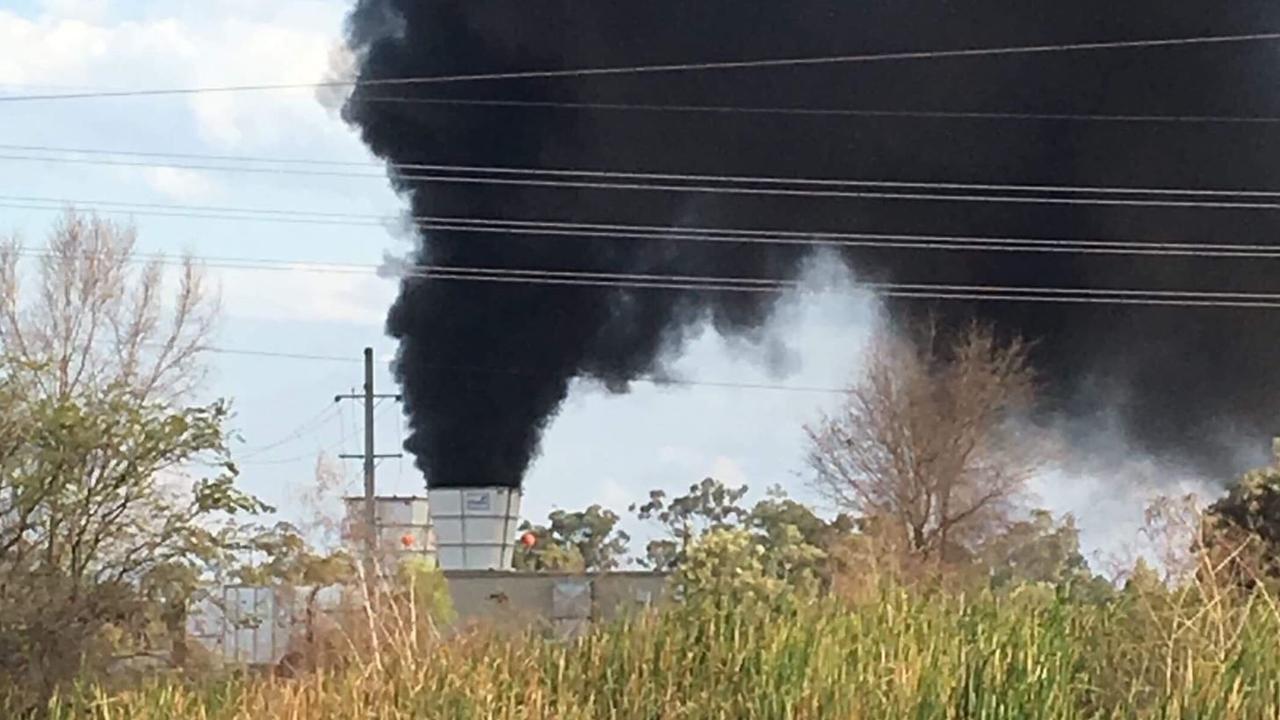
(486, 365)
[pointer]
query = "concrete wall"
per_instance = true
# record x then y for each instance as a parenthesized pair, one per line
(562, 602)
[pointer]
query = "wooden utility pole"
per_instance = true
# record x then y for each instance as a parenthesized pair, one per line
(369, 456)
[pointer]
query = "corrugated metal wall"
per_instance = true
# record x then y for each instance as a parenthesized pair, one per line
(254, 625)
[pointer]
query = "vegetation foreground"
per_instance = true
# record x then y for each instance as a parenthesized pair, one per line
(935, 592)
(1032, 654)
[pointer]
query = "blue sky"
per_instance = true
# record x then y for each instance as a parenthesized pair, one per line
(601, 448)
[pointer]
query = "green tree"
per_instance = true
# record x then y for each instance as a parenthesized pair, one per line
(117, 498)
(798, 543)
(420, 581)
(279, 554)
(101, 525)
(788, 541)
(709, 506)
(1244, 525)
(777, 511)
(727, 567)
(1143, 580)
(1040, 551)
(1036, 550)
(582, 541)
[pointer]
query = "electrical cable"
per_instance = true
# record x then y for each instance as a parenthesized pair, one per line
(816, 238)
(779, 285)
(835, 112)
(659, 381)
(682, 187)
(1200, 40)
(610, 174)
(302, 429)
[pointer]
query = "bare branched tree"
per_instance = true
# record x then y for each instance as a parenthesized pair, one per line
(95, 313)
(933, 438)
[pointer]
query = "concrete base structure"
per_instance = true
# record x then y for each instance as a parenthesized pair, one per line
(564, 603)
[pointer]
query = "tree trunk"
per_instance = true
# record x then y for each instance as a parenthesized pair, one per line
(175, 623)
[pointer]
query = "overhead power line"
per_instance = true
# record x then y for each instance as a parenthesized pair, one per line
(987, 294)
(498, 170)
(873, 113)
(196, 156)
(650, 380)
(1201, 40)
(846, 194)
(275, 354)
(750, 284)
(823, 237)
(1189, 118)
(329, 447)
(667, 281)
(302, 429)
(728, 236)
(842, 194)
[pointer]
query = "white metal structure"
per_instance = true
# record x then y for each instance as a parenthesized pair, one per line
(404, 527)
(256, 625)
(475, 528)
(242, 625)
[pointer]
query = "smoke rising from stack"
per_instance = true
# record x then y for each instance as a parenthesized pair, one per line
(485, 366)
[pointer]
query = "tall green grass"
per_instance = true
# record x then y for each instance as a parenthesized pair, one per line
(906, 656)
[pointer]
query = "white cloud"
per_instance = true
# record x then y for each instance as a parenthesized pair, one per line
(677, 455)
(67, 51)
(188, 45)
(263, 53)
(181, 184)
(303, 295)
(613, 495)
(87, 10)
(727, 471)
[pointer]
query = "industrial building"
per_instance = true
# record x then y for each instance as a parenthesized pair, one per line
(470, 533)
